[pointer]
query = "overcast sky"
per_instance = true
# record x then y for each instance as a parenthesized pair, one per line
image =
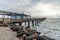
(33, 7)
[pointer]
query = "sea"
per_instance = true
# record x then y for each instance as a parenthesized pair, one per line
(49, 27)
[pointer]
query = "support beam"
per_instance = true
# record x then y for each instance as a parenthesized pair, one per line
(21, 17)
(25, 23)
(35, 23)
(20, 23)
(3, 16)
(32, 23)
(28, 23)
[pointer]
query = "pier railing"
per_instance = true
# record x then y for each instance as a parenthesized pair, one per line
(21, 20)
(4, 21)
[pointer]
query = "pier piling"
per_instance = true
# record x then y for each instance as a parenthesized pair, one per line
(25, 23)
(33, 23)
(20, 23)
(28, 23)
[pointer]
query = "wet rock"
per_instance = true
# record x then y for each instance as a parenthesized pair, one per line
(47, 38)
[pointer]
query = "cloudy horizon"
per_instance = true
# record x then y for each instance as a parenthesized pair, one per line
(47, 8)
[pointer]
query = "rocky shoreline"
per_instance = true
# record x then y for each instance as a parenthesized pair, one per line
(7, 34)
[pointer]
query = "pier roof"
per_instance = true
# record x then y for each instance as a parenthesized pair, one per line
(12, 13)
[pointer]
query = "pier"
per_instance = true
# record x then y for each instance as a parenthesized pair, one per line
(9, 18)
(13, 18)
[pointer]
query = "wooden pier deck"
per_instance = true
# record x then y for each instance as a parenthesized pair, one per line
(20, 21)
(26, 20)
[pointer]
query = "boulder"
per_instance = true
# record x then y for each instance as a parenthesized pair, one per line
(47, 38)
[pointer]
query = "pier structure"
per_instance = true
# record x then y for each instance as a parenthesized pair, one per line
(18, 18)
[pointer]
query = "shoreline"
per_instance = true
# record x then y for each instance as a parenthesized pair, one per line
(7, 31)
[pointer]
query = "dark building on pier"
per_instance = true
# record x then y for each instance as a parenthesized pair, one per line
(9, 16)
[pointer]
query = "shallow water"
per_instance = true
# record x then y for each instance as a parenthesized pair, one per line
(50, 27)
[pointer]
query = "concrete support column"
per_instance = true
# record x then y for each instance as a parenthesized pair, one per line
(35, 22)
(3, 16)
(25, 23)
(32, 23)
(28, 23)
(20, 23)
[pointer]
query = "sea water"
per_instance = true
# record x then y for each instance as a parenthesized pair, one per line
(50, 27)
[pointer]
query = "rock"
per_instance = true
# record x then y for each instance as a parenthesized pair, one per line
(47, 38)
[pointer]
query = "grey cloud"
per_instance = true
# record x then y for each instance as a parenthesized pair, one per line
(35, 1)
(51, 1)
(17, 5)
(26, 5)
